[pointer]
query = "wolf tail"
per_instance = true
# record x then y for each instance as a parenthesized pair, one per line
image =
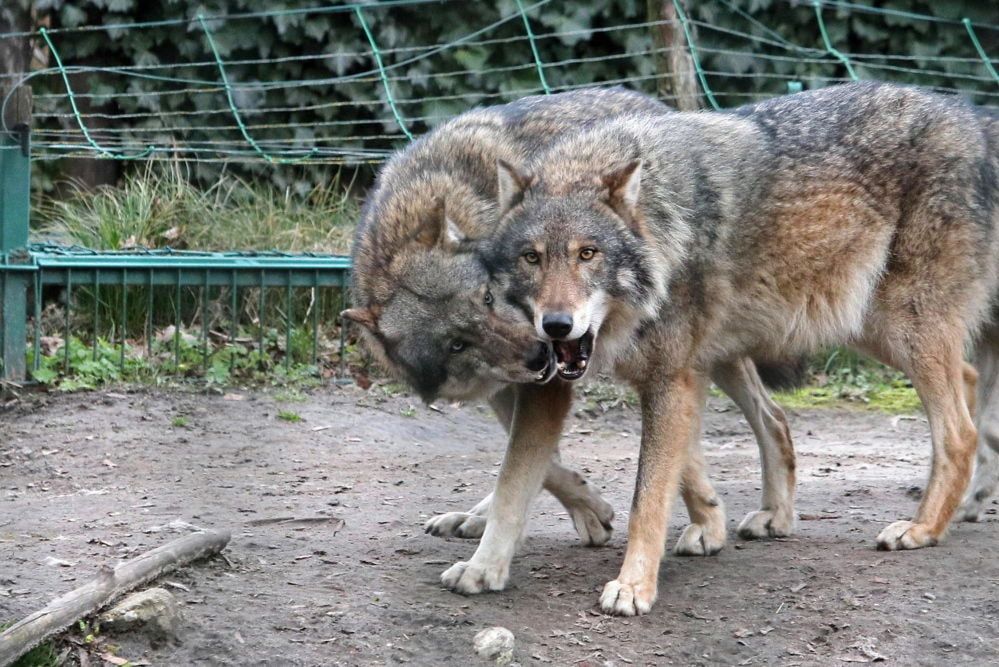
(783, 375)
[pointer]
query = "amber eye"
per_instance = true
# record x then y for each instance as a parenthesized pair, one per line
(586, 254)
(532, 257)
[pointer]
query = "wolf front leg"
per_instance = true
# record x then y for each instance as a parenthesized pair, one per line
(742, 383)
(671, 421)
(591, 515)
(538, 416)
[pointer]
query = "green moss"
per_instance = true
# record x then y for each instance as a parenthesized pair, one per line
(885, 398)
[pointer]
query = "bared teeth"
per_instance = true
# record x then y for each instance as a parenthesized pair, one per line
(582, 364)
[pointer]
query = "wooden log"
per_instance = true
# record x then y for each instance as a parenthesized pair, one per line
(110, 583)
(677, 77)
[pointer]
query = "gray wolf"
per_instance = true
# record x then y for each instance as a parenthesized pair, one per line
(665, 247)
(421, 297)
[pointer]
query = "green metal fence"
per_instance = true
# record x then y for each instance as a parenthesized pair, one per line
(26, 270)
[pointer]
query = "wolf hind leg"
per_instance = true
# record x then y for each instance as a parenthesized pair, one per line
(775, 518)
(933, 361)
(986, 479)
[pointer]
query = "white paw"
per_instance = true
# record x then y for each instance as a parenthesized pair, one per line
(456, 524)
(698, 540)
(626, 599)
(470, 579)
(593, 523)
(766, 523)
(905, 535)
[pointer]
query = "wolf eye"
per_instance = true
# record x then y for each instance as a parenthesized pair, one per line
(531, 257)
(488, 298)
(457, 345)
(586, 254)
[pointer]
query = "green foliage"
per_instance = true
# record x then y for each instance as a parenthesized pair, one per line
(289, 416)
(43, 655)
(89, 367)
(224, 364)
(310, 79)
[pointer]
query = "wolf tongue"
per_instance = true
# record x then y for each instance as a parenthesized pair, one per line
(567, 351)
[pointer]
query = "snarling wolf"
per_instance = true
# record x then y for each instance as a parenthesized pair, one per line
(664, 247)
(421, 294)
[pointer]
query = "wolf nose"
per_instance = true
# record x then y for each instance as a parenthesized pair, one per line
(539, 360)
(557, 325)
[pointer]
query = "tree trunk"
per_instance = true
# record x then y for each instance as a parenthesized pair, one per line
(677, 76)
(15, 59)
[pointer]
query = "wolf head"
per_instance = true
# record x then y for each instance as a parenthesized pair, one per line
(574, 258)
(440, 329)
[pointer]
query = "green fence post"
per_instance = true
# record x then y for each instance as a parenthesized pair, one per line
(15, 195)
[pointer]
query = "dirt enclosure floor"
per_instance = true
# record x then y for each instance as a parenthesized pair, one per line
(93, 478)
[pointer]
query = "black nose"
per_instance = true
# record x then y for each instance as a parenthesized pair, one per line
(557, 325)
(538, 361)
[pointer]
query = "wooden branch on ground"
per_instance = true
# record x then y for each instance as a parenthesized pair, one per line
(110, 583)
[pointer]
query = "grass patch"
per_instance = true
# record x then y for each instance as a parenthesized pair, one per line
(289, 416)
(289, 395)
(179, 421)
(159, 207)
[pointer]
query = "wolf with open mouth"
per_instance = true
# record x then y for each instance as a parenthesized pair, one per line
(660, 248)
(422, 297)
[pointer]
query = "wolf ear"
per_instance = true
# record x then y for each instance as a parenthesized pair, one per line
(452, 237)
(512, 185)
(623, 186)
(441, 231)
(366, 317)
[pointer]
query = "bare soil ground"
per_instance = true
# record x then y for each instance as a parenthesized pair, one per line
(91, 478)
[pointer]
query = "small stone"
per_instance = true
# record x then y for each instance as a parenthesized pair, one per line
(155, 610)
(929, 596)
(495, 644)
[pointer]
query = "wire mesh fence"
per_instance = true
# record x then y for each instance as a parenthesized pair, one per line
(348, 104)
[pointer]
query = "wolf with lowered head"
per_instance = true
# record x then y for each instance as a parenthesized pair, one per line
(421, 295)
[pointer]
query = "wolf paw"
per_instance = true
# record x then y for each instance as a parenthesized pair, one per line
(471, 579)
(766, 523)
(456, 524)
(973, 505)
(905, 535)
(698, 540)
(593, 523)
(621, 599)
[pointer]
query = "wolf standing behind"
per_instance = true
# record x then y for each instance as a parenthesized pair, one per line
(863, 214)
